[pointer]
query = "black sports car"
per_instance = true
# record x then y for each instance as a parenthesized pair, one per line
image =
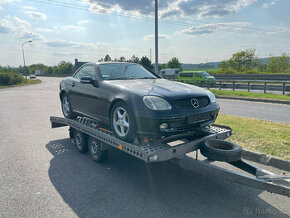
(130, 100)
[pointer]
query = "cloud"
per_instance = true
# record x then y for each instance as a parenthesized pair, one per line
(150, 37)
(211, 28)
(267, 5)
(171, 8)
(19, 28)
(36, 15)
(83, 22)
(73, 28)
(3, 2)
(30, 8)
(65, 43)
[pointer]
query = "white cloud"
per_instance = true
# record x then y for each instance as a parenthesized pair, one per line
(36, 15)
(18, 28)
(3, 2)
(267, 5)
(211, 28)
(150, 37)
(30, 8)
(83, 22)
(73, 28)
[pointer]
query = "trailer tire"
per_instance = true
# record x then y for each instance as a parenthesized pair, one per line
(221, 150)
(81, 141)
(96, 150)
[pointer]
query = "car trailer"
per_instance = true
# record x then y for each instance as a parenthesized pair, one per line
(88, 133)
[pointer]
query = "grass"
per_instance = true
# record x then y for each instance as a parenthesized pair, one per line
(29, 82)
(245, 94)
(258, 135)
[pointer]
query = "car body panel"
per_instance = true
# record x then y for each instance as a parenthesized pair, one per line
(96, 101)
(195, 77)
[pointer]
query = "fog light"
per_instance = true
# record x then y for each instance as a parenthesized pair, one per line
(163, 126)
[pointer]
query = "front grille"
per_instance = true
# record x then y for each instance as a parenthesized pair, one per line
(186, 103)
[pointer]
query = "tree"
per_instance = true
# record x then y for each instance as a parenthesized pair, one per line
(243, 60)
(107, 58)
(122, 59)
(278, 64)
(145, 62)
(174, 63)
(134, 59)
(162, 66)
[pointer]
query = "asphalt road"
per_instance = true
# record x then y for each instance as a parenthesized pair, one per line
(42, 174)
(258, 110)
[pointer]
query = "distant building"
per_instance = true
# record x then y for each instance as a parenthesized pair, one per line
(169, 71)
(38, 72)
(78, 64)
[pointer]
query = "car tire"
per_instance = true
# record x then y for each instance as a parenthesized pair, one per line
(96, 150)
(124, 126)
(220, 150)
(66, 107)
(81, 141)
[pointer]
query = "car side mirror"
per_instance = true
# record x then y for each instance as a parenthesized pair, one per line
(87, 80)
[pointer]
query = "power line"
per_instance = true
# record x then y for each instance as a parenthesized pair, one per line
(224, 27)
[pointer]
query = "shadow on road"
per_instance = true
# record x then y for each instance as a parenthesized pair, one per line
(124, 186)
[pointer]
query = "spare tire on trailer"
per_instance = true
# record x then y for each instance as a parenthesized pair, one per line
(221, 150)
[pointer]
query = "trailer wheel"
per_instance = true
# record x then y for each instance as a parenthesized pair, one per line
(81, 141)
(96, 150)
(221, 150)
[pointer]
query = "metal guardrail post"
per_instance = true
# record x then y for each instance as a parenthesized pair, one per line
(284, 87)
(220, 85)
(234, 85)
(265, 88)
(249, 86)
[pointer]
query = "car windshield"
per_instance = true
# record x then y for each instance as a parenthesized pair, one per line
(124, 71)
(205, 74)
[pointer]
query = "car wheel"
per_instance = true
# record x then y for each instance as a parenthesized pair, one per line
(123, 122)
(66, 107)
(96, 150)
(81, 141)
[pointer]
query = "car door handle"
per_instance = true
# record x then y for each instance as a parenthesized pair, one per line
(73, 84)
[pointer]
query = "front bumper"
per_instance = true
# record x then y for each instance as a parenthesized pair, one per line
(184, 121)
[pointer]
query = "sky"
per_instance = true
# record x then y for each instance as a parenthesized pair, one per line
(194, 31)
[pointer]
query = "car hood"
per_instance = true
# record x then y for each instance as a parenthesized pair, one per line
(159, 87)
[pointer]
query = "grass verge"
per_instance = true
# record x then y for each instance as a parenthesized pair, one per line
(251, 95)
(29, 82)
(258, 135)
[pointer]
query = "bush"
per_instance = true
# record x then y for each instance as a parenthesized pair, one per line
(8, 77)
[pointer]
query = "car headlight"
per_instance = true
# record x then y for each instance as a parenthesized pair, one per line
(156, 103)
(211, 97)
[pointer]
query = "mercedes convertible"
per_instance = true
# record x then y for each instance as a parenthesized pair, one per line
(131, 101)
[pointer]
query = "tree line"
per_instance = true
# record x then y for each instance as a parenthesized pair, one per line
(247, 61)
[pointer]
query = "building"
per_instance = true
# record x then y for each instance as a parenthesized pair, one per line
(78, 64)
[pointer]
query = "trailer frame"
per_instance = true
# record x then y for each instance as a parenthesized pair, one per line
(174, 149)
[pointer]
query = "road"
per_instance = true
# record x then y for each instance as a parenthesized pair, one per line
(259, 110)
(42, 174)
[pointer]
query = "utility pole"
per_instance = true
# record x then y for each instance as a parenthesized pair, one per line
(150, 55)
(24, 58)
(156, 37)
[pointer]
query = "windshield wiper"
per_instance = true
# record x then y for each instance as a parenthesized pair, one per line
(146, 77)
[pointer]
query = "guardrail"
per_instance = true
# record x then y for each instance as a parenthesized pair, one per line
(248, 83)
(275, 85)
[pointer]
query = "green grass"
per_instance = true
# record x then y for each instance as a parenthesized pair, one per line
(258, 135)
(29, 82)
(245, 94)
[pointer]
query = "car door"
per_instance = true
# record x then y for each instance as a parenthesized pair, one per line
(84, 97)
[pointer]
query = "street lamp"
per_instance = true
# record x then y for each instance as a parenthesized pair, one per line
(24, 58)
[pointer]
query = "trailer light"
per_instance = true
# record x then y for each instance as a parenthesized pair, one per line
(153, 158)
(120, 147)
(163, 126)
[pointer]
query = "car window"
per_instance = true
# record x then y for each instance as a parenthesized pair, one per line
(88, 70)
(197, 75)
(116, 71)
(186, 74)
